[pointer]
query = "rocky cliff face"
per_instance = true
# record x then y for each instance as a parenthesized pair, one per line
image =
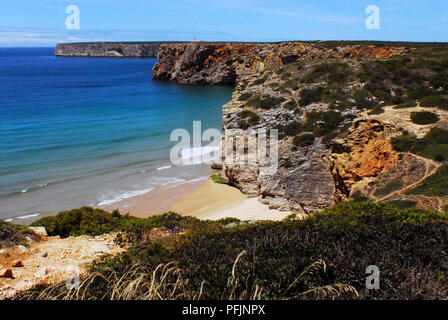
(108, 49)
(227, 63)
(330, 148)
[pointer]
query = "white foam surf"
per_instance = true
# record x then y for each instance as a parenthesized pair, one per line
(126, 195)
(28, 216)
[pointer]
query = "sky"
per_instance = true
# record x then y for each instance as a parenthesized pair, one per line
(43, 22)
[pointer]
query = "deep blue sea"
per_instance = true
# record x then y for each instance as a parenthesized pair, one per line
(90, 131)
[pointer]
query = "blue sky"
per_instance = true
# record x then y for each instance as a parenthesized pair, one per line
(42, 22)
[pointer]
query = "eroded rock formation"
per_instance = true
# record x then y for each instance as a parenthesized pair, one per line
(227, 63)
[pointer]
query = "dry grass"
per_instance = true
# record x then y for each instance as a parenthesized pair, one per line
(166, 283)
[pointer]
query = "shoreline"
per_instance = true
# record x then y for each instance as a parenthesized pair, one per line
(203, 199)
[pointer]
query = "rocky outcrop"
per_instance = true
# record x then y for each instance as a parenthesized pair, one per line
(51, 260)
(108, 49)
(365, 152)
(227, 63)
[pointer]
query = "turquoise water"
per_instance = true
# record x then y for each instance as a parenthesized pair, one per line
(90, 131)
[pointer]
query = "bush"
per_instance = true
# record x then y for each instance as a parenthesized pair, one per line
(363, 99)
(435, 185)
(435, 143)
(290, 105)
(216, 178)
(243, 124)
(376, 110)
(406, 104)
(83, 221)
(291, 129)
(94, 222)
(245, 96)
(293, 259)
(389, 188)
(419, 91)
(14, 234)
(251, 117)
(308, 96)
(424, 117)
(440, 102)
(303, 140)
(265, 102)
(403, 204)
(403, 143)
(260, 80)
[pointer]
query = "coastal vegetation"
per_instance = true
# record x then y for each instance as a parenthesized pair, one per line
(390, 187)
(322, 257)
(433, 146)
(435, 185)
(217, 178)
(424, 117)
(15, 234)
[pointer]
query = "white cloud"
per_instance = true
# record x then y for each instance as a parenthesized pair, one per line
(10, 36)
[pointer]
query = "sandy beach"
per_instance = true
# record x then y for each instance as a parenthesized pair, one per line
(203, 199)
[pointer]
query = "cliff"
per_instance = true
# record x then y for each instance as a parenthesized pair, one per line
(337, 111)
(108, 49)
(227, 63)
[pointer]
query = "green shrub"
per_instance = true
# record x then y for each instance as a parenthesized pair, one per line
(291, 129)
(243, 124)
(83, 221)
(403, 143)
(251, 117)
(331, 70)
(358, 196)
(403, 204)
(260, 80)
(435, 143)
(290, 105)
(376, 110)
(287, 164)
(424, 117)
(293, 259)
(14, 234)
(389, 188)
(406, 104)
(308, 96)
(265, 102)
(419, 91)
(216, 178)
(435, 185)
(245, 96)
(94, 222)
(303, 140)
(363, 99)
(440, 102)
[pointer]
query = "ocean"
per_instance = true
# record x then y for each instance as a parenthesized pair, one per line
(91, 131)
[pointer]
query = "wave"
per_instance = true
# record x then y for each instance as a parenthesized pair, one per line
(164, 167)
(200, 155)
(159, 181)
(8, 220)
(35, 187)
(123, 196)
(28, 216)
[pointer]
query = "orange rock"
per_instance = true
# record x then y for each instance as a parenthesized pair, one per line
(17, 263)
(6, 273)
